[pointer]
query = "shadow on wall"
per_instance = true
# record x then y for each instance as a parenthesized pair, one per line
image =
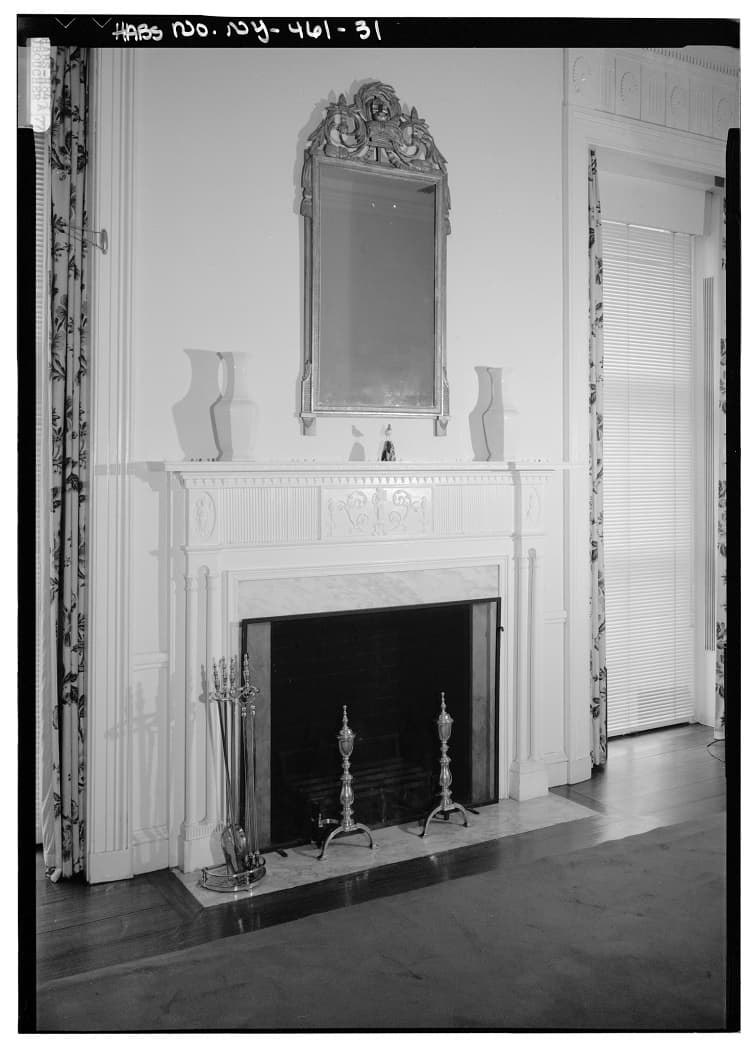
(144, 727)
(193, 414)
(149, 726)
(476, 416)
(153, 476)
(358, 449)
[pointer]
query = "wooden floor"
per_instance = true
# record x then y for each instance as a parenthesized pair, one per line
(652, 780)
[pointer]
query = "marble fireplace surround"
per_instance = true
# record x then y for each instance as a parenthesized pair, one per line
(258, 540)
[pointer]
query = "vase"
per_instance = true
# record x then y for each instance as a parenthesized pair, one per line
(235, 414)
(499, 420)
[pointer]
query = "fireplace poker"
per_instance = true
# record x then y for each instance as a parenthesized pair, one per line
(237, 847)
(244, 867)
(250, 692)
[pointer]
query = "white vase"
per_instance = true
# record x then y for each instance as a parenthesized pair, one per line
(235, 415)
(499, 420)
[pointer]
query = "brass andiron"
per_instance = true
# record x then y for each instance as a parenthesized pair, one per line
(447, 804)
(235, 703)
(347, 825)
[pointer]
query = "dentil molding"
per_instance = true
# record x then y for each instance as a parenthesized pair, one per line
(680, 55)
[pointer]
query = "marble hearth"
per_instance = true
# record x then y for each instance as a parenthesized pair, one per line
(352, 856)
(255, 540)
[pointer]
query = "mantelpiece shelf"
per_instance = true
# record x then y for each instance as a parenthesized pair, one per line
(249, 467)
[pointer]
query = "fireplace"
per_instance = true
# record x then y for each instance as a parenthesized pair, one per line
(261, 550)
(388, 666)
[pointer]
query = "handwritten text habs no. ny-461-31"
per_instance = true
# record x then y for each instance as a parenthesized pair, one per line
(258, 30)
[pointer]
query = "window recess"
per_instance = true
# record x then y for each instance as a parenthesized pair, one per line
(649, 476)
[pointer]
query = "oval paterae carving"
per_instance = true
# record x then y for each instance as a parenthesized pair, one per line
(204, 515)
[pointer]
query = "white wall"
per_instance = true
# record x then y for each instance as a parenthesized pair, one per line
(218, 267)
(218, 259)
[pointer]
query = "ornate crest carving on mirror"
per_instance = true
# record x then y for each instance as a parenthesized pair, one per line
(375, 205)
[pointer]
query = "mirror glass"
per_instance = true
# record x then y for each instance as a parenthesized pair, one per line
(377, 272)
(375, 204)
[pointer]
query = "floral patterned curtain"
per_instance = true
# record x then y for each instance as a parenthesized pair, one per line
(64, 698)
(598, 661)
(721, 547)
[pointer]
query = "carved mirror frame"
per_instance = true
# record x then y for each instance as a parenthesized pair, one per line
(372, 133)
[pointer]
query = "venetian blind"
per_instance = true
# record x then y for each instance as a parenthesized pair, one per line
(649, 494)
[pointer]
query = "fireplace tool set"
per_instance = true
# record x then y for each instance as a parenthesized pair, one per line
(235, 702)
(243, 863)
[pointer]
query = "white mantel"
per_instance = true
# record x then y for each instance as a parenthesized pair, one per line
(248, 504)
(265, 539)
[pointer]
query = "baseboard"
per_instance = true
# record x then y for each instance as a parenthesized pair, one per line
(561, 771)
(150, 855)
(528, 779)
(557, 769)
(109, 866)
(579, 770)
(201, 849)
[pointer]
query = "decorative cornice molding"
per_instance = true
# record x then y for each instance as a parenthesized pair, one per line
(653, 87)
(677, 54)
(355, 481)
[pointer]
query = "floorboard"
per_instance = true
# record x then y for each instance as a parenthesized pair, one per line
(92, 905)
(643, 744)
(125, 932)
(653, 785)
(652, 780)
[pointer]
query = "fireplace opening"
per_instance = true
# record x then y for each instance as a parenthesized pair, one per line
(388, 666)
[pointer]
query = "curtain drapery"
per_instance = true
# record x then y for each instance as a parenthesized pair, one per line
(64, 694)
(721, 545)
(598, 658)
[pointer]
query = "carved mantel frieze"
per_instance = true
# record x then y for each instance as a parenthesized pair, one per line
(376, 512)
(240, 506)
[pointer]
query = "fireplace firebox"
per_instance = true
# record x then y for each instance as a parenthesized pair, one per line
(389, 667)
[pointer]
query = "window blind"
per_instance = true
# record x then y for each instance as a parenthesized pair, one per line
(649, 494)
